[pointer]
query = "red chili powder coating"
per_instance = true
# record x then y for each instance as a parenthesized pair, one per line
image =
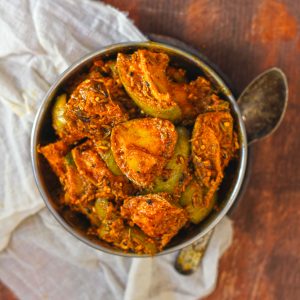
(273, 22)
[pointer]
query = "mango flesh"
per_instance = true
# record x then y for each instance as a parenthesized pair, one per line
(58, 111)
(142, 147)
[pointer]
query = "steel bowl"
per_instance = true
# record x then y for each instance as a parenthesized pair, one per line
(43, 133)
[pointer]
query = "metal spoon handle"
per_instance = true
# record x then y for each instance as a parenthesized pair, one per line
(189, 258)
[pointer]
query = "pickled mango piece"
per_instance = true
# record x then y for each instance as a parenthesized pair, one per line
(55, 153)
(143, 75)
(77, 189)
(196, 202)
(144, 242)
(91, 111)
(113, 230)
(58, 114)
(174, 172)
(221, 123)
(89, 163)
(101, 206)
(142, 147)
(206, 153)
(104, 149)
(196, 97)
(127, 238)
(91, 166)
(213, 145)
(155, 214)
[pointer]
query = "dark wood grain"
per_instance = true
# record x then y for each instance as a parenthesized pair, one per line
(244, 38)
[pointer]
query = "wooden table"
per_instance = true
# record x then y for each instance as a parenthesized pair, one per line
(244, 38)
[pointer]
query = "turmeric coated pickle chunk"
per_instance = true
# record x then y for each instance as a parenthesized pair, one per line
(78, 190)
(221, 123)
(144, 77)
(91, 111)
(114, 230)
(195, 201)
(55, 153)
(155, 214)
(142, 147)
(91, 166)
(213, 146)
(196, 97)
(174, 174)
(206, 156)
(58, 114)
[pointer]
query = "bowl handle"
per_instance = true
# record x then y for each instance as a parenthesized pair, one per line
(189, 258)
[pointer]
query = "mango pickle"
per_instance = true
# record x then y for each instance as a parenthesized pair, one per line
(143, 75)
(195, 201)
(101, 206)
(141, 148)
(126, 237)
(177, 165)
(58, 114)
(104, 149)
(156, 214)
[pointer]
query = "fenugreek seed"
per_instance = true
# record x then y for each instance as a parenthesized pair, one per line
(181, 159)
(206, 163)
(103, 147)
(202, 147)
(97, 98)
(226, 124)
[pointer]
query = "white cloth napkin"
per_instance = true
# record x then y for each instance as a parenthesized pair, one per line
(39, 40)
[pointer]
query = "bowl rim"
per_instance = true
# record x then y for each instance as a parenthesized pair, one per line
(199, 62)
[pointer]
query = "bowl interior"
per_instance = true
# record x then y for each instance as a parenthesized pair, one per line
(43, 134)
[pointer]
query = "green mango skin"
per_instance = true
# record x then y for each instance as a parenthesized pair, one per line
(58, 111)
(182, 148)
(199, 212)
(101, 206)
(141, 238)
(145, 100)
(110, 162)
(69, 160)
(103, 148)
